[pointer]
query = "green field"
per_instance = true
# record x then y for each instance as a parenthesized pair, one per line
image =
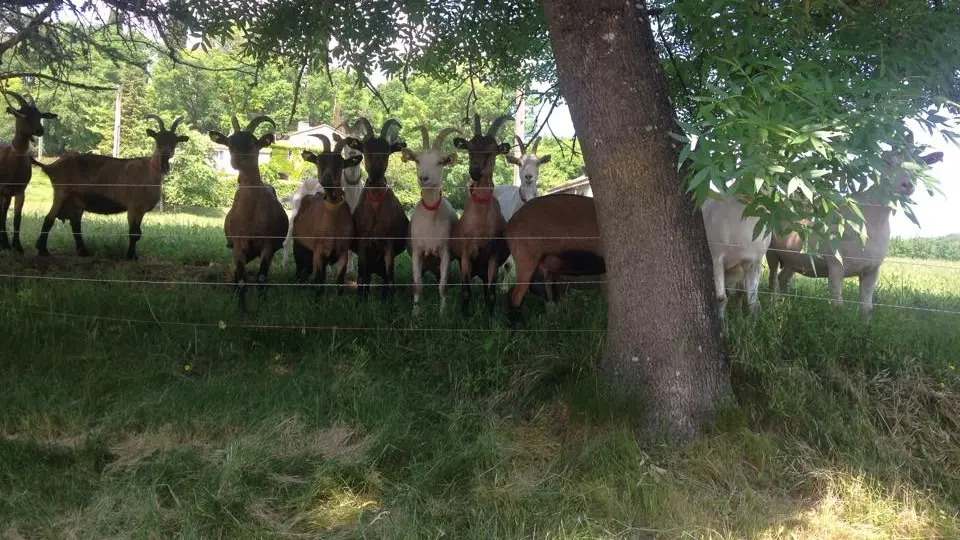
(153, 409)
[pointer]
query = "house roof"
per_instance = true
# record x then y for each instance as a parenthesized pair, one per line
(570, 184)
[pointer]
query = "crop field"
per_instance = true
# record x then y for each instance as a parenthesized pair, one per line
(136, 402)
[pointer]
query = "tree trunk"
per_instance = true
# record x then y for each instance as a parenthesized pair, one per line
(663, 332)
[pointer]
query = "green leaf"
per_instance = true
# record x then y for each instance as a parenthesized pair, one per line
(793, 185)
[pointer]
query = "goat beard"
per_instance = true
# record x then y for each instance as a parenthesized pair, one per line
(165, 164)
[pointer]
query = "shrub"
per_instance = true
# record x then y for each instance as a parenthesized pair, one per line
(192, 180)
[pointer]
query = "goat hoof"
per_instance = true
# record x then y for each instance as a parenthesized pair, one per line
(18, 248)
(42, 252)
(83, 252)
(132, 257)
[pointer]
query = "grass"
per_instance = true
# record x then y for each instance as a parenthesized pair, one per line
(440, 426)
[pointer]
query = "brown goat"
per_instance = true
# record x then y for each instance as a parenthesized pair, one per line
(477, 238)
(15, 165)
(108, 185)
(256, 223)
(323, 227)
(380, 224)
(555, 234)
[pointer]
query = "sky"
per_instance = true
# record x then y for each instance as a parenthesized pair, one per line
(938, 215)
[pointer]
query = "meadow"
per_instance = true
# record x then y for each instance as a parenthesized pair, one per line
(136, 402)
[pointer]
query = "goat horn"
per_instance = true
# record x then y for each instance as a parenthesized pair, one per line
(252, 126)
(533, 149)
(424, 136)
(176, 122)
(23, 103)
(326, 141)
(523, 147)
(236, 124)
(385, 130)
(476, 125)
(157, 118)
(438, 142)
(363, 122)
(346, 141)
(497, 124)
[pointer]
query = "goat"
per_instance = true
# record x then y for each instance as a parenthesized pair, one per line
(553, 234)
(784, 258)
(108, 185)
(477, 238)
(380, 224)
(433, 217)
(322, 232)
(15, 165)
(735, 253)
(256, 222)
(512, 197)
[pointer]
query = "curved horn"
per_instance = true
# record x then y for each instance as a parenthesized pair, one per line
(23, 103)
(176, 122)
(324, 139)
(363, 122)
(157, 118)
(252, 126)
(438, 142)
(385, 130)
(533, 149)
(476, 125)
(235, 123)
(497, 124)
(523, 147)
(344, 142)
(424, 136)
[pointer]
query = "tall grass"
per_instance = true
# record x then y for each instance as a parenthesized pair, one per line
(156, 410)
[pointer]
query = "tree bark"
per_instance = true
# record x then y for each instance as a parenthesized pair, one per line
(663, 342)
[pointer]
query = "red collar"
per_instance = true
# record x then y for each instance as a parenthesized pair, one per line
(478, 200)
(435, 206)
(155, 167)
(376, 198)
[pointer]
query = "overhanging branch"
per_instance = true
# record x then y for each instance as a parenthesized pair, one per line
(30, 28)
(82, 86)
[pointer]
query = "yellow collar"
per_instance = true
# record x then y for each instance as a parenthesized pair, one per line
(333, 206)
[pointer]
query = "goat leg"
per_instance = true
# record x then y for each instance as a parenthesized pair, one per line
(363, 274)
(444, 273)
(4, 207)
(342, 262)
(868, 283)
(17, 220)
(388, 268)
(239, 280)
(302, 258)
(319, 272)
(77, 235)
(266, 259)
(416, 261)
(490, 288)
(465, 278)
(134, 219)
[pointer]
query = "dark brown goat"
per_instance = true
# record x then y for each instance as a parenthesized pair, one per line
(108, 185)
(477, 238)
(15, 165)
(323, 227)
(380, 224)
(555, 234)
(256, 223)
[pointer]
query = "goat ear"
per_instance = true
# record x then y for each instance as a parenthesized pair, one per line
(309, 156)
(218, 137)
(460, 143)
(504, 148)
(49, 115)
(512, 159)
(408, 155)
(449, 160)
(152, 134)
(544, 159)
(397, 146)
(352, 161)
(266, 140)
(182, 138)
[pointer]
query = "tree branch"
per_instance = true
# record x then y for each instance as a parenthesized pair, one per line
(30, 28)
(5, 76)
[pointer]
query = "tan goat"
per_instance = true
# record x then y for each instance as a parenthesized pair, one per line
(256, 223)
(380, 224)
(15, 165)
(323, 227)
(477, 238)
(108, 185)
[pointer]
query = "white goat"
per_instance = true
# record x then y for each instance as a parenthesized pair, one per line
(735, 253)
(350, 179)
(511, 198)
(858, 259)
(433, 217)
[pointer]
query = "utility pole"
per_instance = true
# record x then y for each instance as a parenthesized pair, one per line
(519, 130)
(116, 125)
